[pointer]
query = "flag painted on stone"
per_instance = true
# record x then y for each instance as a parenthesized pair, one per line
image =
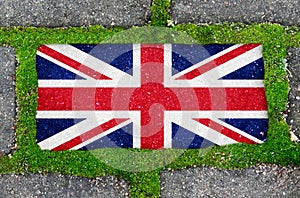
(149, 96)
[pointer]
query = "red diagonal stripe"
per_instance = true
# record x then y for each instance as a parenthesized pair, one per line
(89, 134)
(225, 131)
(218, 61)
(72, 63)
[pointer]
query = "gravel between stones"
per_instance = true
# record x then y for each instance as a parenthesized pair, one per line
(53, 185)
(261, 181)
(7, 99)
(61, 13)
(285, 12)
(293, 68)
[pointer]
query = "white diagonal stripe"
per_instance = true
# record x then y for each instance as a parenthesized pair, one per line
(237, 130)
(206, 132)
(67, 67)
(211, 77)
(206, 61)
(233, 64)
(185, 119)
(101, 135)
(89, 61)
(119, 78)
(92, 120)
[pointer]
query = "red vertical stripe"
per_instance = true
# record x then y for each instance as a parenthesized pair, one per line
(153, 142)
(152, 71)
(152, 64)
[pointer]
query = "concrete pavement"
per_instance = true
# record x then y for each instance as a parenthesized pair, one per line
(284, 12)
(7, 99)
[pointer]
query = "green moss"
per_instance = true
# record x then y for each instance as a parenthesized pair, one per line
(160, 12)
(277, 150)
(144, 184)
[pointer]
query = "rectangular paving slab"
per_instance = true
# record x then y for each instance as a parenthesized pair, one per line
(293, 68)
(7, 98)
(260, 181)
(58, 13)
(285, 12)
(54, 185)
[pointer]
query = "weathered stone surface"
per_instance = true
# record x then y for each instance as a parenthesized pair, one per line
(285, 12)
(61, 13)
(7, 99)
(53, 185)
(260, 181)
(293, 67)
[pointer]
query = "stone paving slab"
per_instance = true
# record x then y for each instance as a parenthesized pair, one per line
(7, 99)
(293, 67)
(260, 181)
(61, 13)
(53, 185)
(285, 12)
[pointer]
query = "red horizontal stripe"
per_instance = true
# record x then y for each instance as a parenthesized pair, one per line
(225, 131)
(218, 61)
(74, 99)
(238, 99)
(72, 63)
(89, 134)
(120, 99)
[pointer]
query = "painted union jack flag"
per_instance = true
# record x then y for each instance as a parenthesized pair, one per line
(149, 96)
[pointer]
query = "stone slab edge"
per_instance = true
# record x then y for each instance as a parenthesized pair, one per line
(7, 100)
(293, 106)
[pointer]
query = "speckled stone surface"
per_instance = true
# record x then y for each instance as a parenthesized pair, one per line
(7, 99)
(293, 67)
(285, 12)
(57, 13)
(260, 181)
(53, 185)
